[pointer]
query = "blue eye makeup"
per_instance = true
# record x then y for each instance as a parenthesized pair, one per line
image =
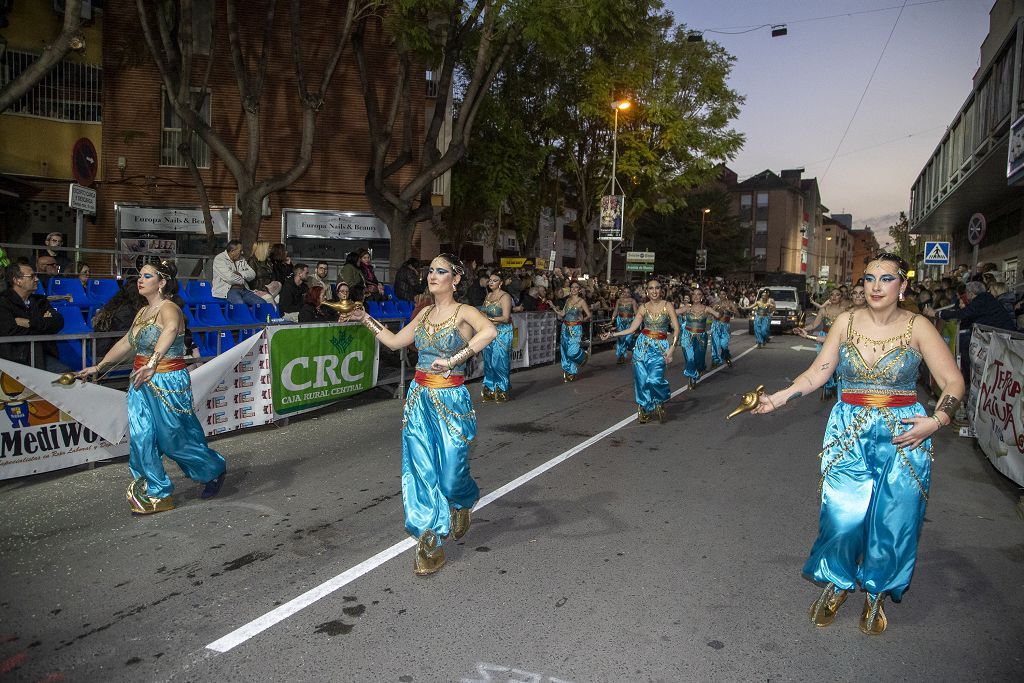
(148, 276)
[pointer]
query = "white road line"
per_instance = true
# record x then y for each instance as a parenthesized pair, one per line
(282, 612)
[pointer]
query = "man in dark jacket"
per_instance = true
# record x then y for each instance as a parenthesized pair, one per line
(25, 313)
(983, 309)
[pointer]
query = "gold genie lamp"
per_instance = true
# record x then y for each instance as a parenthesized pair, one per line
(343, 307)
(748, 401)
(66, 379)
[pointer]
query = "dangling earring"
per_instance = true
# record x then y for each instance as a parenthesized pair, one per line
(901, 296)
(454, 287)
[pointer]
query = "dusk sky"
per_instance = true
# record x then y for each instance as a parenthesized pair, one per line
(803, 88)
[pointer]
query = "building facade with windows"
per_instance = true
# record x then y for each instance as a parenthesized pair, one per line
(39, 131)
(977, 166)
(144, 188)
(864, 247)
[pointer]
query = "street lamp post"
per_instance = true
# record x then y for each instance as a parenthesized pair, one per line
(700, 269)
(617, 105)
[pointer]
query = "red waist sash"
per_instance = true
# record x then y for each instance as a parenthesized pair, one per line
(166, 365)
(655, 335)
(857, 398)
(432, 381)
(572, 323)
(696, 330)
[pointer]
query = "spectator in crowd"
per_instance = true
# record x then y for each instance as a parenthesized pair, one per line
(312, 310)
(352, 276)
(318, 278)
(264, 283)
(25, 313)
(373, 289)
(83, 274)
(117, 314)
(232, 275)
(476, 292)
(55, 240)
(408, 282)
(293, 293)
(46, 267)
(1003, 296)
(983, 309)
(280, 262)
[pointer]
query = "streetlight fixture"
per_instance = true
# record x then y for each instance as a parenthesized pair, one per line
(702, 253)
(617, 105)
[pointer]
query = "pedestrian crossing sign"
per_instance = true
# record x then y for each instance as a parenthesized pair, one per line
(936, 253)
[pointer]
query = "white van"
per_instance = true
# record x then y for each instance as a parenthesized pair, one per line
(787, 309)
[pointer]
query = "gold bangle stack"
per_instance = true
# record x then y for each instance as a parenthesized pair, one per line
(461, 357)
(937, 421)
(372, 325)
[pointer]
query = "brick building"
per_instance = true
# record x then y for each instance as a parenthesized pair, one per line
(143, 186)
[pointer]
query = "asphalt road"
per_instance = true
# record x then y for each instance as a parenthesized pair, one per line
(657, 553)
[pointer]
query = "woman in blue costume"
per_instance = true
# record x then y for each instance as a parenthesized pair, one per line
(573, 314)
(439, 422)
(652, 352)
(824, 318)
(762, 311)
(625, 312)
(498, 354)
(161, 419)
(877, 454)
(694, 322)
(721, 332)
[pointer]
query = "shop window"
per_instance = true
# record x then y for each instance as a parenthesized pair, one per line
(171, 134)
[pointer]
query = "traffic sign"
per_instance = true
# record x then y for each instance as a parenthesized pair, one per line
(976, 229)
(641, 267)
(84, 161)
(936, 253)
(82, 198)
(640, 256)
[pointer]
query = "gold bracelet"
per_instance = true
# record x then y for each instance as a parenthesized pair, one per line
(154, 360)
(461, 357)
(938, 421)
(374, 326)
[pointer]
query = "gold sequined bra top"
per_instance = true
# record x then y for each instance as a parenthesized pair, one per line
(659, 322)
(145, 333)
(442, 340)
(894, 370)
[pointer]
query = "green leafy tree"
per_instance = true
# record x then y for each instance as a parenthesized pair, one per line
(904, 244)
(675, 235)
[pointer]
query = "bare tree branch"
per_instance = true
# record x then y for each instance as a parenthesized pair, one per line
(51, 56)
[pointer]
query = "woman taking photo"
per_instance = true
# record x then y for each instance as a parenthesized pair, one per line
(877, 453)
(439, 422)
(498, 354)
(573, 314)
(161, 419)
(652, 353)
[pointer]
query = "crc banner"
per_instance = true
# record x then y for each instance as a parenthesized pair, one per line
(313, 365)
(997, 404)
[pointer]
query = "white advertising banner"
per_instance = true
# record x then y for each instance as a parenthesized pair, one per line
(170, 218)
(336, 225)
(997, 406)
(39, 431)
